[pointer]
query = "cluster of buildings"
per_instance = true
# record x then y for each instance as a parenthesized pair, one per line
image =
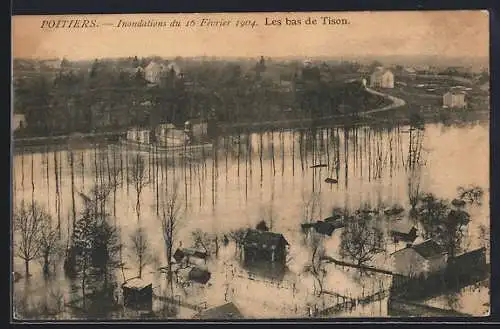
(166, 134)
(384, 78)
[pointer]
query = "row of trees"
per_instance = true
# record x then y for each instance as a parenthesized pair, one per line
(107, 98)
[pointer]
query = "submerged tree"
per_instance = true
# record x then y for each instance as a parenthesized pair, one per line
(238, 236)
(137, 175)
(140, 249)
(171, 214)
(360, 241)
(50, 246)
(413, 165)
(30, 221)
(441, 222)
(317, 267)
(206, 241)
(471, 195)
(93, 255)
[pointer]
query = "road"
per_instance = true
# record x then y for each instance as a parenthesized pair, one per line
(396, 102)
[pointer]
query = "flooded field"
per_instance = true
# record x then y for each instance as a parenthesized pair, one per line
(248, 178)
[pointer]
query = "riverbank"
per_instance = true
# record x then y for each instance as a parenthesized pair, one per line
(400, 114)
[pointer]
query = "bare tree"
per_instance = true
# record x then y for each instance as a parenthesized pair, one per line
(206, 241)
(137, 175)
(317, 266)
(484, 235)
(50, 246)
(360, 241)
(140, 249)
(169, 217)
(413, 165)
(311, 205)
(238, 236)
(471, 195)
(29, 222)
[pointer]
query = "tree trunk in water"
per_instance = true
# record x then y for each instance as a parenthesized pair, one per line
(46, 265)
(27, 268)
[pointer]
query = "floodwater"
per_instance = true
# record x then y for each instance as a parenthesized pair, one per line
(260, 176)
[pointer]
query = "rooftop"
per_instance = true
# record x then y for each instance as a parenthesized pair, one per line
(136, 283)
(223, 312)
(428, 249)
(264, 237)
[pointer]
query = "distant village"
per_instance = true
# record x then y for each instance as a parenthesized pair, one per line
(430, 86)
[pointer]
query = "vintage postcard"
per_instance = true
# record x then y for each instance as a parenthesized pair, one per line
(251, 166)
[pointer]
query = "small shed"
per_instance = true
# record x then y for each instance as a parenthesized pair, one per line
(325, 228)
(199, 275)
(138, 293)
(188, 253)
(337, 221)
(227, 311)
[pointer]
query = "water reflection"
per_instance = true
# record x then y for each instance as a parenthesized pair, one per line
(252, 176)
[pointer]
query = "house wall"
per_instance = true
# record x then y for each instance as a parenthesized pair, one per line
(409, 263)
(153, 73)
(200, 130)
(277, 255)
(385, 80)
(388, 80)
(140, 136)
(437, 263)
(454, 100)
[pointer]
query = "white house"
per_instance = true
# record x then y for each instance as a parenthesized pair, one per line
(454, 99)
(382, 78)
(139, 135)
(420, 259)
(154, 72)
(168, 135)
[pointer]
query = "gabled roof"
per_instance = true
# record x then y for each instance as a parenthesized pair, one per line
(183, 252)
(264, 237)
(428, 249)
(379, 73)
(136, 283)
(223, 312)
(155, 65)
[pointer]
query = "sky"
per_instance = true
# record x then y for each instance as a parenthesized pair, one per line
(441, 33)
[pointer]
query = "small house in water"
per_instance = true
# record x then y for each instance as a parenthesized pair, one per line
(167, 135)
(454, 99)
(193, 274)
(227, 311)
(264, 246)
(420, 259)
(190, 256)
(382, 78)
(139, 135)
(199, 275)
(138, 293)
(403, 231)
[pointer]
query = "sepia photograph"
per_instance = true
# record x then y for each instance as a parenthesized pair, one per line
(250, 166)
